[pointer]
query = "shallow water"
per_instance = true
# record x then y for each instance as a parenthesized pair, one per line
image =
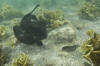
(51, 53)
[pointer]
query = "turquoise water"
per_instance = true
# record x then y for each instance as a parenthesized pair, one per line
(24, 4)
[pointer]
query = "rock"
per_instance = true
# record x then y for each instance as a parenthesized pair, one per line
(65, 34)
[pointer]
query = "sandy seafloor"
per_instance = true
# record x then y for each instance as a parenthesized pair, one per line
(51, 53)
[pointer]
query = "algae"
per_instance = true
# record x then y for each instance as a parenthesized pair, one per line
(53, 18)
(89, 11)
(12, 41)
(21, 60)
(91, 48)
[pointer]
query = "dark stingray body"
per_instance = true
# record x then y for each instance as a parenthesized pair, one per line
(29, 21)
(30, 30)
(26, 37)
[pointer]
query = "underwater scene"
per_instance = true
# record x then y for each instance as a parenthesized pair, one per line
(49, 32)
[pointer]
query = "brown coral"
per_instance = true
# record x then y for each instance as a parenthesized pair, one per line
(91, 48)
(9, 12)
(12, 41)
(3, 32)
(21, 60)
(54, 18)
(89, 11)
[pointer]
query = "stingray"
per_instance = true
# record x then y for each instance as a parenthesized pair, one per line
(30, 30)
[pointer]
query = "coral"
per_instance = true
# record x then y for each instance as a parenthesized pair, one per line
(54, 19)
(12, 41)
(49, 65)
(3, 31)
(91, 48)
(56, 23)
(9, 12)
(89, 11)
(51, 14)
(21, 60)
(16, 21)
(96, 2)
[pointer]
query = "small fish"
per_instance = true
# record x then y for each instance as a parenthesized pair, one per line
(70, 48)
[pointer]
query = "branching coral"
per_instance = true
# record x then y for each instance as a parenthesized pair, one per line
(21, 60)
(96, 2)
(54, 19)
(16, 21)
(12, 41)
(9, 12)
(57, 23)
(91, 48)
(2, 30)
(51, 14)
(89, 11)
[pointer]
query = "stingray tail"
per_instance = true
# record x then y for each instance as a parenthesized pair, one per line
(34, 8)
